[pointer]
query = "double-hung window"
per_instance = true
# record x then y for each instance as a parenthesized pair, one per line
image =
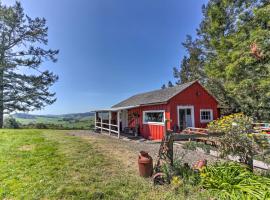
(206, 115)
(154, 117)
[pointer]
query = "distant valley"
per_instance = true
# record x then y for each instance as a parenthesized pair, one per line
(64, 121)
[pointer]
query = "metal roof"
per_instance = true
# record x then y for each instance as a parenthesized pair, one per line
(115, 109)
(153, 97)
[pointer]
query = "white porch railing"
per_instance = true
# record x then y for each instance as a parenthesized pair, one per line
(111, 128)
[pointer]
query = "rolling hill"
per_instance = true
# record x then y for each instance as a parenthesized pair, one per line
(65, 121)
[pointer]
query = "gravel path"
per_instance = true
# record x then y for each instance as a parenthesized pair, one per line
(128, 150)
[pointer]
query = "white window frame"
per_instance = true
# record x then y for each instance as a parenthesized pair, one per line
(211, 115)
(192, 113)
(154, 111)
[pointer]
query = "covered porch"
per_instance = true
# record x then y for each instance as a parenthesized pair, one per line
(112, 120)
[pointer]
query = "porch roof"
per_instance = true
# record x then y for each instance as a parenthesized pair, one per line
(116, 109)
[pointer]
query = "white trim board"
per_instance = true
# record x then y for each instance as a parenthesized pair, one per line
(211, 115)
(192, 113)
(154, 123)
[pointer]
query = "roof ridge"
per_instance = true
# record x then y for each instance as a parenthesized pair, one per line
(154, 96)
(191, 82)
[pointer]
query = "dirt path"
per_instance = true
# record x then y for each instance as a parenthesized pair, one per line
(127, 150)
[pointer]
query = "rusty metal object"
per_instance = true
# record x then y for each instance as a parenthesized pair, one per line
(200, 164)
(159, 179)
(145, 163)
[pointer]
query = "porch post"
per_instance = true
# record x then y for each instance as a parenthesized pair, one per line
(110, 121)
(118, 123)
(101, 123)
(95, 121)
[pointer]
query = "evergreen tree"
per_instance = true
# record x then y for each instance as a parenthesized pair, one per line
(23, 86)
(170, 84)
(163, 86)
(191, 67)
(231, 55)
(235, 36)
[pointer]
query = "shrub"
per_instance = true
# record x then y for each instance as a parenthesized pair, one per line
(232, 181)
(237, 138)
(10, 122)
(41, 126)
(180, 171)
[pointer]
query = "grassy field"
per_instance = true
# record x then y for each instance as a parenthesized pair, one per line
(68, 123)
(47, 164)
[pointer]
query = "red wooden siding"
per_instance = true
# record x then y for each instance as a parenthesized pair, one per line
(150, 131)
(195, 95)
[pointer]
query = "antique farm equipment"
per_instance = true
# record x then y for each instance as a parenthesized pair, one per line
(165, 155)
(199, 165)
(145, 162)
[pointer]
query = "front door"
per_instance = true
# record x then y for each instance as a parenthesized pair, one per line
(185, 117)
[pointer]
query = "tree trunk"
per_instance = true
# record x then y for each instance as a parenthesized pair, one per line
(1, 96)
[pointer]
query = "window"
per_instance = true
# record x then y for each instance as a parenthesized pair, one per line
(154, 117)
(206, 115)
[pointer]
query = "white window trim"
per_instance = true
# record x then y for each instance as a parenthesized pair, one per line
(211, 115)
(192, 114)
(154, 111)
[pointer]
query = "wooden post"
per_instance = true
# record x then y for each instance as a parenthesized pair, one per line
(165, 128)
(110, 121)
(168, 142)
(101, 124)
(118, 123)
(95, 121)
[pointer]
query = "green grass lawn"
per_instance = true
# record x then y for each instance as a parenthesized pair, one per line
(47, 164)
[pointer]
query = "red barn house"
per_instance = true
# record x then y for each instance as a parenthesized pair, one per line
(181, 106)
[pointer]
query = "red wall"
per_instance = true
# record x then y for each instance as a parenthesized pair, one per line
(150, 131)
(194, 95)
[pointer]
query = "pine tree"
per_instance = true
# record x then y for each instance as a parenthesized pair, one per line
(231, 55)
(170, 84)
(23, 86)
(163, 86)
(236, 36)
(191, 67)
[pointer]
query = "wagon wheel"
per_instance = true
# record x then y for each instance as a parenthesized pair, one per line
(159, 179)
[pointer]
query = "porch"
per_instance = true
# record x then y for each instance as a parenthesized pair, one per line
(113, 120)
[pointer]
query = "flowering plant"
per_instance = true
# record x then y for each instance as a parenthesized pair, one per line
(238, 137)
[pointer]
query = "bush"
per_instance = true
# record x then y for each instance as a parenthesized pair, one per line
(180, 172)
(237, 139)
(10, 122)
(41, 126)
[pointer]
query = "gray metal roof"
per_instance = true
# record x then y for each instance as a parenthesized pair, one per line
(115, 109)
(153, 97)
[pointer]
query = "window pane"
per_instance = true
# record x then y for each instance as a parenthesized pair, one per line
(153, 117)
(206, 115)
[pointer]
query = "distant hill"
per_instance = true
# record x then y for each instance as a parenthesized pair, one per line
(71, 115)
(23, 116)
(65, 121)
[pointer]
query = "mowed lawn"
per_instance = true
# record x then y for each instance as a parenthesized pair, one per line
(47, 164)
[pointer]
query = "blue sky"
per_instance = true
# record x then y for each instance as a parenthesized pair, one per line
(112, 49)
